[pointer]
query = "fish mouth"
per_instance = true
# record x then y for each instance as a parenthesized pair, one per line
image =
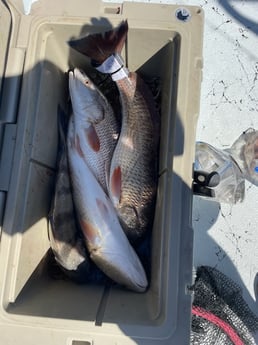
(129, 273)
(81, 76)
(141, 288)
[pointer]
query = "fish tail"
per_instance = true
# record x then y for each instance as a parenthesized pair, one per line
(100, 46)
(62, 125)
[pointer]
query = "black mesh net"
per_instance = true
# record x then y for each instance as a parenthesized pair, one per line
(220, 316)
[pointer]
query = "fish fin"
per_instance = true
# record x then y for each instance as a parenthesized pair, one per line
(115, 184)
(62, 123)
(102, 208)
(78, 146)
(63, 119)
(102, 114)
(92, 138)
(88, 230)
(100, 46)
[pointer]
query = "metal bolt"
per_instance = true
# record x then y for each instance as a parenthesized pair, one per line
(183, 14)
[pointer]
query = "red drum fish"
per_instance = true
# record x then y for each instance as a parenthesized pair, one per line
(132, 182)
(95, 124)
(107, 244)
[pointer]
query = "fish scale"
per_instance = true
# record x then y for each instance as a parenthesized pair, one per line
(63, 239)
(95, 124)
(68, 249)
(136, 155)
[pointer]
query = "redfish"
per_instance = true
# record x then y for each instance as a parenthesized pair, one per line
(95, 124)
(132, 183)
(106, 242)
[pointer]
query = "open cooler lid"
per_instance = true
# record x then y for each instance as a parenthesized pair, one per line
(10, 79)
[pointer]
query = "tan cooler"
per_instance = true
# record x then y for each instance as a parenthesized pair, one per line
(164, 41)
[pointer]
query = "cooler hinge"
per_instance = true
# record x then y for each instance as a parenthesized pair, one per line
(8, 132)
(8, 117)
(11, 85)
(6, 156)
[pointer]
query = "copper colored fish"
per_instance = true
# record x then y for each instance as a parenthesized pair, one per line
(106, 242)
(95, 124)
(133, 177)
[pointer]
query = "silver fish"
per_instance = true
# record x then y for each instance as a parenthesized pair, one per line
(133, 174)
(107, 244)
(95, 124)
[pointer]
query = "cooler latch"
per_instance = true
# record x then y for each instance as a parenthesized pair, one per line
(204, 182)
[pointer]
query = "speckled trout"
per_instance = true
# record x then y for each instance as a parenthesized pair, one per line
(65, 241)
